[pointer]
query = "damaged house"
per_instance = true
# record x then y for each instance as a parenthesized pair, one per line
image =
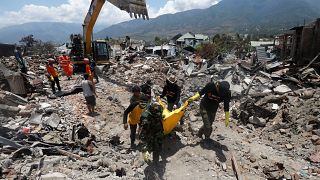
(190, 39)
(306, 42)
(164, 50)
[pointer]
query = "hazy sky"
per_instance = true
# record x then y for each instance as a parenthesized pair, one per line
(21, 11)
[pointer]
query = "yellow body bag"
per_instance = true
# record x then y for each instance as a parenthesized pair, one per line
(171, 119)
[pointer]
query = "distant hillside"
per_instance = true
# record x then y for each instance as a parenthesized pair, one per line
(45, 31)
(244, 16)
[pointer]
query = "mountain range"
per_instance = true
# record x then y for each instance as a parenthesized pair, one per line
(45, 31)
(242, 16)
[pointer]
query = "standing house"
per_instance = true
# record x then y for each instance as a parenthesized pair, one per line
(190, 39)
(164, 50)
(283, 43)
(306, 42)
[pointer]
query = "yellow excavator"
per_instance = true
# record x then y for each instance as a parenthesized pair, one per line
(98, 50)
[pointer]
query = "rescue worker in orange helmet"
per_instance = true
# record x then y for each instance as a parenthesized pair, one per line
(53, 75)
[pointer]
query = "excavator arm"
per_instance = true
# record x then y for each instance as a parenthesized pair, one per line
(136, 8)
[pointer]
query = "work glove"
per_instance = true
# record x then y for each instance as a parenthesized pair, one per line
(125, 126)
(227, 118)
(194, 98)
(174, 107)
(146, 156)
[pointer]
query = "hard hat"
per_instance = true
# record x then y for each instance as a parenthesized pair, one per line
(86, 60)
(50, 60)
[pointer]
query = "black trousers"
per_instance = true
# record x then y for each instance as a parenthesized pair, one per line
(133, 129)
(55, 81)
(96, 76)
(208, 117)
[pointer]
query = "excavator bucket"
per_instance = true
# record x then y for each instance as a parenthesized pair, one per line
(171, 119)
(136, 8)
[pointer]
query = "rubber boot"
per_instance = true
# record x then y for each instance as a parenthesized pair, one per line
(132, 145)
(156, 156)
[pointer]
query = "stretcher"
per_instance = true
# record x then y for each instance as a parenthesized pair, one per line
(171, 118)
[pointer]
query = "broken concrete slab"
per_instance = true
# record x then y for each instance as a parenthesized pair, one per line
(257, 121)
(282, 89)
(53, 121)
(8, 142)
(11, 99)
(273, 65)
(9, 111)
(44, 106)
(54, 176)
(16, 83)
(289, 146)
(315, 157)
(190, 69)
(35, 118)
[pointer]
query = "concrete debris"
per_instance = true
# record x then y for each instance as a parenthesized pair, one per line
(8, 111)
(315, 157)
(53, 120)
(54, 176)
(257, 121)
(282, 89)
(11, 99)
(289, 146)
(51, 136)
(35, 118)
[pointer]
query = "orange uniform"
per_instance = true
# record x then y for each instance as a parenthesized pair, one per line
(51, 70)
(66, 65)
(88, 71)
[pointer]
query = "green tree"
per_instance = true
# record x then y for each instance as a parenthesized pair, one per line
(28, 40)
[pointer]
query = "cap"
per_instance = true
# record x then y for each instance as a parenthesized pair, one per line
(50, 60)
(86, 60)
(172, 79)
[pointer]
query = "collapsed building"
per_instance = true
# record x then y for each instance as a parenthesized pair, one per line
(275, 116)
(302, 44)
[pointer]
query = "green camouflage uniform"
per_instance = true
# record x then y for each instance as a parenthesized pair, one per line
(152, 130)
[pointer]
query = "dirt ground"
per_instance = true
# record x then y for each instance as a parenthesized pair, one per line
(260, 152)
(184, 156)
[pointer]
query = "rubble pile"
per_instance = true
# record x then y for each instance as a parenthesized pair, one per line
(138, 71)
(274, 129)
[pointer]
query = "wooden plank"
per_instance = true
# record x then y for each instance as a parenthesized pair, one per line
(311, 62)
(236, 167)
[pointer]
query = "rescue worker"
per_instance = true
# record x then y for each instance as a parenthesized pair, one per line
(88, 68)
(134, 112)
(53, 75)
(146, 89)
(89, 93)
(136, 94)
(66, 64)
(214, 93)
(93, 70)
(152, 130)
(172, 92)
(21, 61)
